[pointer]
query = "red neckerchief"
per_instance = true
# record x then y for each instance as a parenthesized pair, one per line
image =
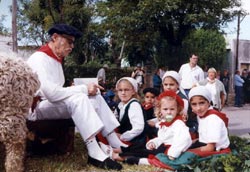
(178, 117)
(47, 50)
(147, 106)
(219, 114)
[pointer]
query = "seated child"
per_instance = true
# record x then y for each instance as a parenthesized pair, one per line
(130, 113)
(173, 135)
(213, 133)
(150, 95)
(171, 81)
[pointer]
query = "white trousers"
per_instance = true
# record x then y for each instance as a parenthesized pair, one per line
(90, 114)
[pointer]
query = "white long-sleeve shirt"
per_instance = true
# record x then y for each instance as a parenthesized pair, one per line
(136, 118)
(212, 129)
(177, 135)
(52, 79)
(190, 76)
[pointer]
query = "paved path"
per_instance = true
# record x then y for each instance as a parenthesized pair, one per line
(239, 120)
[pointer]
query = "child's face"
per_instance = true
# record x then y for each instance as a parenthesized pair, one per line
(125, 91)
(169, 84)
(168, 109)
(199, 105)
(149, 98)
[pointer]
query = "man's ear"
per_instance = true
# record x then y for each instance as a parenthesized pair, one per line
(54, 36)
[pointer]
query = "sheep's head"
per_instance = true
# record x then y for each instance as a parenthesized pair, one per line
(18, 85)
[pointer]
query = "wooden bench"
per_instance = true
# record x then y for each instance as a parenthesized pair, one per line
(50, 136)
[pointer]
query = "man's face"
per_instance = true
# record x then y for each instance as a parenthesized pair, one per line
(63, 44)
(194, 59)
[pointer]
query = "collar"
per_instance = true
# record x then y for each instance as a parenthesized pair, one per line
(147, 106)
(222, 116)
(47, 50)
(211, 81)
(167, 124)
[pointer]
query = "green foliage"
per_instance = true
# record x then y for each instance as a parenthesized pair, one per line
(37, 16)
(3, 30)
(90, 70)
(142, 24)
(150, 29)
(210, 45)
(238, 160)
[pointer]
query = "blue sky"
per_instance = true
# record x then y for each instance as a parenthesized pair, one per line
(231, 30)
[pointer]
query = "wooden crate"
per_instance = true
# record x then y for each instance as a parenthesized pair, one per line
(51, 136)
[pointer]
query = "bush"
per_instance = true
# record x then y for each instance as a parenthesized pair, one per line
(238, 160)
(89, 70)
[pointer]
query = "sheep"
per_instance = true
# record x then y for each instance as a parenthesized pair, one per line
(18, 85)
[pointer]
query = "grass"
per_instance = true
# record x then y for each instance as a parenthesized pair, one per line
(74, 162)
(77, 161)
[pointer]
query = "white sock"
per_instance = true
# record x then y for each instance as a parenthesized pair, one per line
(94, 150)
(114, 141)
(107, 149)
(143, 161)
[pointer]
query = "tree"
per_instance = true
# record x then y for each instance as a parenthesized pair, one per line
(210, 45)
(3, 30)
(37, 16)
(144, 23)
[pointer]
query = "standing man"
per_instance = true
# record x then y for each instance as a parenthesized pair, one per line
(88, 109)
(225, 79)
(190, 74)
(101, 74)
(138, 75)
(238, 87)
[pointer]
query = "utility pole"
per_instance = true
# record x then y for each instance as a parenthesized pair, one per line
(237, 38)
(14, 25)
(237, 43)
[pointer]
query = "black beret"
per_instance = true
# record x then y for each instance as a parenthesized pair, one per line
(65, 29)
(151, 90)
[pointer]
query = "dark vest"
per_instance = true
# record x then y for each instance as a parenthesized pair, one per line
(125, 125)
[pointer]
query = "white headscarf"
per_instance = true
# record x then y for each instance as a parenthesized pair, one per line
(200, 91)
(131, 80)
(172, 74)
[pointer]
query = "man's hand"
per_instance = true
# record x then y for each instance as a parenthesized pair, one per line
(93, 89)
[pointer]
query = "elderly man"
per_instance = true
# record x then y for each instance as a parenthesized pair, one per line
(88, 109)
(190, 74)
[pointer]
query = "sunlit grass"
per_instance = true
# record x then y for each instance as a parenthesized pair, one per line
(74, 162)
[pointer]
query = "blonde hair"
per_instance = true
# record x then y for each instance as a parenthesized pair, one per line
(136, 95)
(157, 110)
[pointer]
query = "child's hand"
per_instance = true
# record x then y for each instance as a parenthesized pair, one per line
(184, 117)
(150, 146)
(151, 123)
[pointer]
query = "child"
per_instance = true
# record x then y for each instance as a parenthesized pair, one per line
(173, 135)
(171, 81)
(130, 113)
(150, 95)
(213, 133)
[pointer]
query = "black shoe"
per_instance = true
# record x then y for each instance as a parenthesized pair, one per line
(106, 164)
(132, 160)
